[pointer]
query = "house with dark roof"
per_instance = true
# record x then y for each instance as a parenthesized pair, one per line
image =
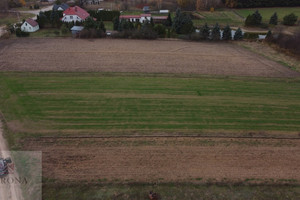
(146, 9)
(30, 25)
(61, 7)
(74, 14)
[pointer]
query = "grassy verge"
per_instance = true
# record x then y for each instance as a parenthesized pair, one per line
(272, 52)
(70, 103)
(167, 191)
(49, 32)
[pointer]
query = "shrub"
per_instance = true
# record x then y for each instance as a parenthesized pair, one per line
(91, 33)
(64, 29)
(251, 36)
(274, 19)
(254, 19)
(289, 42)
(290, 19)
(195, 37)
(160, 30)
(216, 33)
(10, 28)
(204, 32)
(147, 32)
(269, 37)
(227, 33)
(36, 6)
(90, 23)
(56, 32)
(116, 22)
(125, 25)
(20, 33)
(238, 35)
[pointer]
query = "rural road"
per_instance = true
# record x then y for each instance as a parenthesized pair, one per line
(36, 12)
(8, 191)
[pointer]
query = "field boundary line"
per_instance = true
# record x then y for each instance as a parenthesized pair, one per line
(169, 136)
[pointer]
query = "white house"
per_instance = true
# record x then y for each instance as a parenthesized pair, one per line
(30, 26)
(136, 18)
(74, 14)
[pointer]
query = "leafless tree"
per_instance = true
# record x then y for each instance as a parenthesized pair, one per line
(4, 5)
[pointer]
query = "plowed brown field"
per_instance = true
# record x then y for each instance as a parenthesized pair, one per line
(107, 55)
(168, 159)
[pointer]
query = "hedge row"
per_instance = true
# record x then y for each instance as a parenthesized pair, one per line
(104, 15)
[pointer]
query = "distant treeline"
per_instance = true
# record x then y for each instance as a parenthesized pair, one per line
(261, 3)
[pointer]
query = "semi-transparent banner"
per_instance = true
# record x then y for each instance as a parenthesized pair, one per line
(20, 175)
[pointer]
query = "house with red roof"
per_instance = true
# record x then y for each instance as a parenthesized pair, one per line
(30, 25)
(74, 14)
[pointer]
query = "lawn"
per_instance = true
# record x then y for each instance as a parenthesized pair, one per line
(67, 103)
(223, 17)
(268, 12)
(109, 25)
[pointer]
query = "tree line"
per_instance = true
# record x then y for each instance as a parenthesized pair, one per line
(260, 3)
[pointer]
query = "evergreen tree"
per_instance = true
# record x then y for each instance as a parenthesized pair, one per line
(269, 36)
(41, 19)
(64, 29)
(257, 18)
(116, 22)
(151, 22)
(216, 32)
(274, 19)
(168, 22)
(249, 20)
(290, 19)
(204, 32)
(254, 19)
(238, 34)
(227, 33)
(177, 22)
(182, 23)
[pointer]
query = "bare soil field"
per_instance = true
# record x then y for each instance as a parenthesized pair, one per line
(139, 56)
(168, 159)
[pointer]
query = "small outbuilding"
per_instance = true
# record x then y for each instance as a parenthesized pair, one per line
(76, 30)
(146, 9)
(30, 26)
